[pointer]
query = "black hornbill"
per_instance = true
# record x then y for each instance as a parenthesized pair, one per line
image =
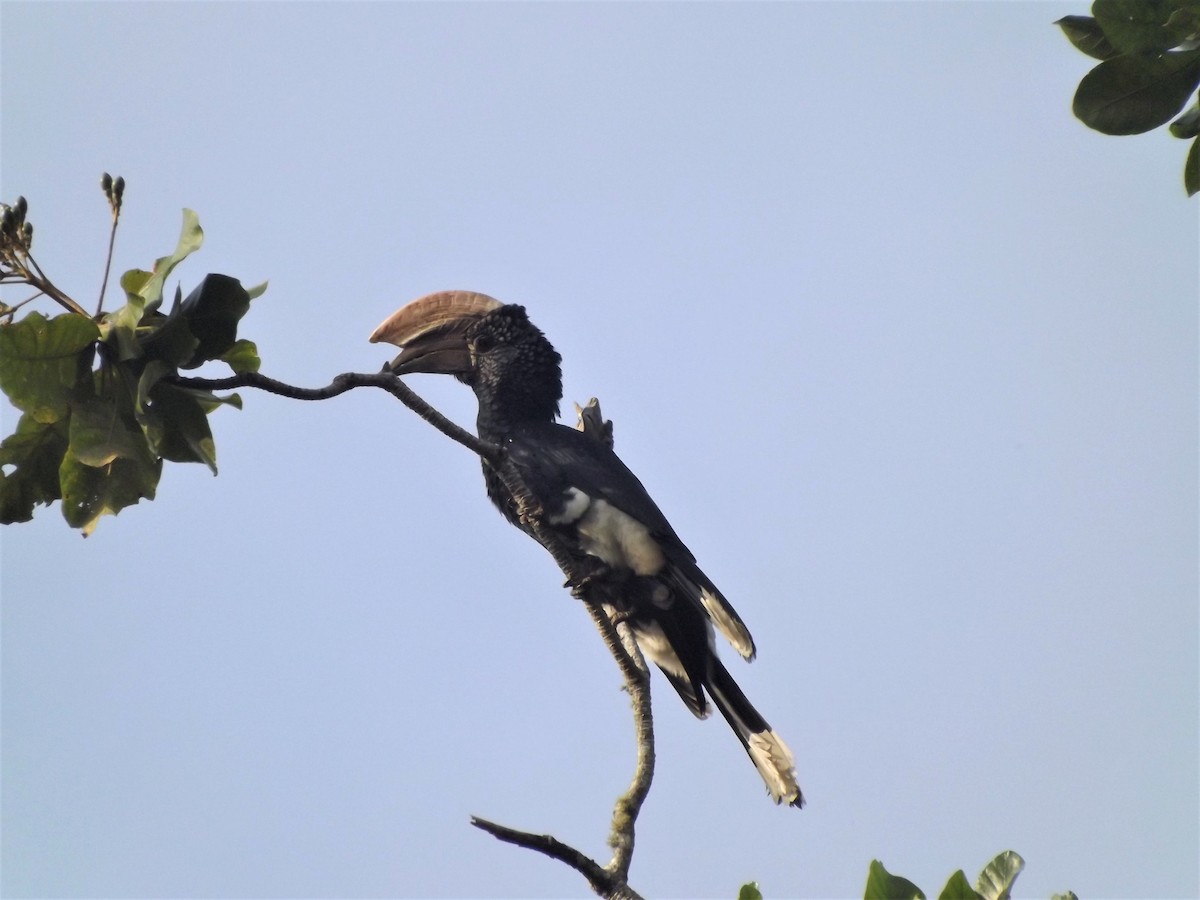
(640, 568)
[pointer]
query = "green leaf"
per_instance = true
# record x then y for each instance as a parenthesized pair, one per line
(35, 451)
(134, 281)
(1069, 895)
(1140, 26)
(191, 236)
(1191, 169)
(958, 888)
(996, 880)
(155, 371)
(242, 356)
(209, 401)
(882, 885)
(176, 426)
(750, 891)
(1087, 35)
(89, 492)
(1187, 125)
(102, 430)
(1129, 95)
(41, 361)
(169, 339)
(257, 291)
(121, 326)
(213, 311)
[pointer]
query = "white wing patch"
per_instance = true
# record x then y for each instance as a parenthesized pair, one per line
(575, 504)
(734, 631)
(617, 538)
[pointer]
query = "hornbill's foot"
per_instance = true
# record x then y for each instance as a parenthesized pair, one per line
(597, 572)
(618, 616)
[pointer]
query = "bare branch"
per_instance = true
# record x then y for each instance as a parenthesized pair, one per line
(602, 881)
(629, 804)
(112, 240)
(345, 382)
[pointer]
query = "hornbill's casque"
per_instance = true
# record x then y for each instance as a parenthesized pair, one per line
(638, 566)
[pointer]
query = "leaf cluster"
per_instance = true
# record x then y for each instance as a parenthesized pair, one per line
(994, 883)
(1149, 53)
(101, 409)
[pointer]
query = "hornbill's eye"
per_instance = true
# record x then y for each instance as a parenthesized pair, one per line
(484, 343)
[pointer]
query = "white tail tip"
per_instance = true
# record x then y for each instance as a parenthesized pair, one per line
(775, 763)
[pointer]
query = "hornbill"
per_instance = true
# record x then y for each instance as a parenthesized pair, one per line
(636, 565)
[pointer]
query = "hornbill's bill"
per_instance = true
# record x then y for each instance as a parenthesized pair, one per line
(639, 568)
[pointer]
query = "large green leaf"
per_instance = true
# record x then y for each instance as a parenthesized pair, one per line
(144, 290)
(213, 311)
(996, 880)
(750, 891)
(1130, 95)
(42, 360)
(120, 326)
(103, 429)
(34, 451)
(176, 426)
(883, 885)
(89, 492)
(1140, 26)
(958, 888)
(191, 236)
(169, 338)
(1087, 36)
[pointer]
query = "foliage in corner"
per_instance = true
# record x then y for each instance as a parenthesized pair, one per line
(1149, 53)
(100, 410)
(994, 883)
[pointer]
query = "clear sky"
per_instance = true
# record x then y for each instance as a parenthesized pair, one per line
(905, 352)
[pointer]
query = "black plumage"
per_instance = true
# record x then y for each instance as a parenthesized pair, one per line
(639, 568)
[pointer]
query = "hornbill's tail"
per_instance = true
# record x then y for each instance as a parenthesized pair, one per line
(681, 646)
(767, 750)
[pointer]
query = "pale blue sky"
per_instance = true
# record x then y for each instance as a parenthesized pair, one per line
(906, 353)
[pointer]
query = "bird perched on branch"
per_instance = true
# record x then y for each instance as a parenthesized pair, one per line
(576, 487)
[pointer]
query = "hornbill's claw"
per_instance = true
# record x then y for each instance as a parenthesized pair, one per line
(598, 572)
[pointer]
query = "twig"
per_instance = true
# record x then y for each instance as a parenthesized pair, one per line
(598, 877)
(9, 310)
(39, 280)
(345, 382)
(112, 240)
(629, 804)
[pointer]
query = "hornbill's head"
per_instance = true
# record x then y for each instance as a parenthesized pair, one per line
(491, 346)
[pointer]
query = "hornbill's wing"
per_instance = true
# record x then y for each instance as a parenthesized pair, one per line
(569, 471)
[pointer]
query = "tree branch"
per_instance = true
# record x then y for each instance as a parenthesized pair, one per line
(345, 382)
(599, 877)
(609, 881)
